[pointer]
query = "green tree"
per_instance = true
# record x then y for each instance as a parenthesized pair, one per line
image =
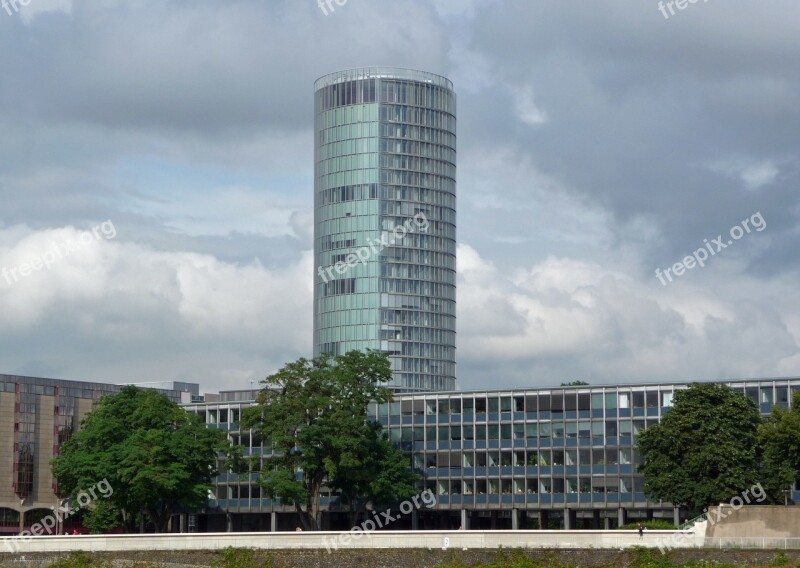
(103, 516)
(779, 437)
(313, 414)
(704, 451)
(370, 470)
(155, 455)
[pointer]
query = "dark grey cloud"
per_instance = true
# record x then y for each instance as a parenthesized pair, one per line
(640, 107)
(596, 143)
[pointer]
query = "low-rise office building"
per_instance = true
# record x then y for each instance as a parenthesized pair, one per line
(561, 457)
(516, 458)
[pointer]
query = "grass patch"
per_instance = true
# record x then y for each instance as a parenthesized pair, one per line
(637, 557)
(79, 559)
(240, 558)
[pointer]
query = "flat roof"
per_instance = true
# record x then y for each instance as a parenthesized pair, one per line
(379, 72)
(609, 386)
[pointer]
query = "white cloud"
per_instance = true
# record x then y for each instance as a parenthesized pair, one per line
(121, 296)
(754, 174)
(460, 8)
(758, 175)
(34, 8)
(564, 317)
(526, 108)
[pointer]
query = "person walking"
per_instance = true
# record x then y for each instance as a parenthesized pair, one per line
(641, 531)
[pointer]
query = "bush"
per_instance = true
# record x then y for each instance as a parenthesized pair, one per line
(780, 560)
(508, 559)
(240, 558)
(79, 560)
(641, 557)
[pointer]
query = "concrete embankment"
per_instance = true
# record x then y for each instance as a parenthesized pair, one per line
(331, 541)
(583, 558)
(753, 521)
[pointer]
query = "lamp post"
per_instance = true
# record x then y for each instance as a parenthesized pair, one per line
(57, 513)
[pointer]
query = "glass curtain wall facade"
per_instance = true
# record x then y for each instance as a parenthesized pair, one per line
(561, 448)
(562, 457)
(384, 217)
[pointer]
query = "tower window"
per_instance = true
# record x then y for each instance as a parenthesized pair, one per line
(339, 287)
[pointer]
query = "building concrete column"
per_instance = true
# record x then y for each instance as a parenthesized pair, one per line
(182, 523)
(676, 516)
(464, 520)
(229, 522)
(273, 521)
(22, 521)
(514, 519)
(606, 523)
(622, 516)
(570, 519)
(596, 519)
(414, 520)
(543, 519)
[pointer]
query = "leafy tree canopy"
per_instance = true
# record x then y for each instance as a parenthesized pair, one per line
(779, 437)
(313, 413)
(155, 455)
(704, 451)
(371, 471)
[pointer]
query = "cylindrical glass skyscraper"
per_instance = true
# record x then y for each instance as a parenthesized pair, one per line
(385, 221)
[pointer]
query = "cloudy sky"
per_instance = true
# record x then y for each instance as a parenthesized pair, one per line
(598, 142)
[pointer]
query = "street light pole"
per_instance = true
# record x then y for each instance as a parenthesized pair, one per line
(59, 520)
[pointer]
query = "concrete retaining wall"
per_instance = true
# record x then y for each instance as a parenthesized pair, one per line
(753, 521)
(347, 541)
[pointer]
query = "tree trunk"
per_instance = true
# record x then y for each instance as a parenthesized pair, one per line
(313, 512)
(125, 521)
(160, 518)
(301, 514)
(357, 509)
(314, 489)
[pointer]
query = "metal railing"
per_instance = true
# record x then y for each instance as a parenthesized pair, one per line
(753, 542)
